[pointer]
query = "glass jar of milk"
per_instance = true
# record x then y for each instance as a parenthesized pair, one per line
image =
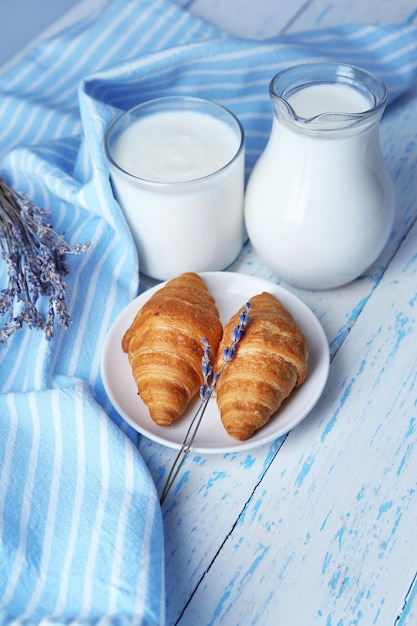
(319, 204)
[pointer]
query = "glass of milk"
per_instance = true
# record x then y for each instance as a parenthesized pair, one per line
(177, 171)
(319, 205)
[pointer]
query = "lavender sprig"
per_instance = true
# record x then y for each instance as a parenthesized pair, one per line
(210, 380)
(34, 254)
(206, 391)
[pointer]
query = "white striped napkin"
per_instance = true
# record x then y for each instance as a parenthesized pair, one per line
(82, 538)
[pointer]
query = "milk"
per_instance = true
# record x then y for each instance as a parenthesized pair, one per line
(175, 146)
(327, 98)
(319, 204)
(180, 181)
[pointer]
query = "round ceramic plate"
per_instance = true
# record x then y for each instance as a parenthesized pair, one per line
(231, 291)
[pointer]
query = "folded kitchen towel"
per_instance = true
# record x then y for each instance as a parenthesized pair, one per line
(81, 528)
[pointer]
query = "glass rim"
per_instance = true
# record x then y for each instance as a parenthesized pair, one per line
(164, 103)
(304, 75)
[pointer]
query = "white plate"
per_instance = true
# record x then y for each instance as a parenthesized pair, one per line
(231, 291)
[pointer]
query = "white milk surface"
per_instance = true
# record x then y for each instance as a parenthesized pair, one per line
(328, 98)
(175, 146)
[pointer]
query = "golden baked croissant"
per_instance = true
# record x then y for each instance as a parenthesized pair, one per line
(270, 361)
(164, 345)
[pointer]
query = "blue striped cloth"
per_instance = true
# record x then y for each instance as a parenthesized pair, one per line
(81, 528)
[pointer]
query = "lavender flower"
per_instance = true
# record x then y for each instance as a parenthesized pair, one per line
(207, 370)
(228, 353)
(34, 254)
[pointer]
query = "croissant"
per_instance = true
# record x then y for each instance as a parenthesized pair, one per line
(164, 345)
(270, 361)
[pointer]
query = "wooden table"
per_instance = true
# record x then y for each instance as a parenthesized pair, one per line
(319, 527)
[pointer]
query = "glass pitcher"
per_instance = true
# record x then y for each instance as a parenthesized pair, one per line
(319, 204)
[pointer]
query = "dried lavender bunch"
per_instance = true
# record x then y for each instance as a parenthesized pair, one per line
(206, 391)
(35, 257)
